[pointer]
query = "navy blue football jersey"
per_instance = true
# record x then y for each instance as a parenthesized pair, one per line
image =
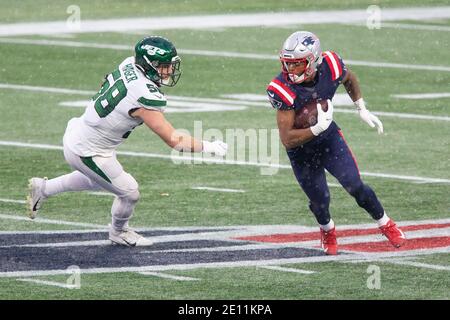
(285, 95)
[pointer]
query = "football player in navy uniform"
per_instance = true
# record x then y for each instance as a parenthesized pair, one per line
(308, 74)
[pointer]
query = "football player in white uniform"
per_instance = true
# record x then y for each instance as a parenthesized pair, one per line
(129, 97)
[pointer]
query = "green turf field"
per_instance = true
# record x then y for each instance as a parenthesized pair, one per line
(408, 166)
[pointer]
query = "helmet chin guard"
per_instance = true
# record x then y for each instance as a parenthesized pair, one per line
(301, 46)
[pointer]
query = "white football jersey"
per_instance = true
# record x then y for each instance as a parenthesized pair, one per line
(107, 122)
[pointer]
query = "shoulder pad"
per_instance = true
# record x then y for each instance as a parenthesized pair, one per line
(153, 98)
(280, 95)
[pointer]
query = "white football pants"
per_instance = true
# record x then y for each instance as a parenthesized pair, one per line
(97, 173)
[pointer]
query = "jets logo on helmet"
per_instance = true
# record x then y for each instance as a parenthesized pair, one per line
(301, 47)
(157, 58)
(151, 50)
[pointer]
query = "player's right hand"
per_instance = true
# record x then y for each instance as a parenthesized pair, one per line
(216, 147)
(324, 119)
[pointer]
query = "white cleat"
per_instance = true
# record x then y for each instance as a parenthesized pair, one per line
(35, 196)
(128, 237)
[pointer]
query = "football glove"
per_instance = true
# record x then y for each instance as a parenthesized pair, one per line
(324, 119)
(367, 116)
(216, 147)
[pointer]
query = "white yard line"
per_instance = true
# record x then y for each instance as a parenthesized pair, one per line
(218, 189)
(51, 221)
(209, 53)
(274, 19)
(407, 26)
(404, 261)
(49, 283)
(209, 104)
(225, 236)
(294, 270)
(45, 89)
(13, 201)
(418, 96)
(50, 232)
(197, 159)
(400, 115)
(101, 193)
(419, 265)
(233, 264)
(168, 276)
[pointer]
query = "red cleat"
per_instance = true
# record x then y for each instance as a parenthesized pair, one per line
(395, 236)
(328, 241)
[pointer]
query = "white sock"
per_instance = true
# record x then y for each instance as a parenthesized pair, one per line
(121, 211)
(384, 219)
(75, 181)
(328, 226)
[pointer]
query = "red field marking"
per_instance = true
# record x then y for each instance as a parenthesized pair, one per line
(307, 236)
(410, 244)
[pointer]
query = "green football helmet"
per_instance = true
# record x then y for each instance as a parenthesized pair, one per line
(154, 56)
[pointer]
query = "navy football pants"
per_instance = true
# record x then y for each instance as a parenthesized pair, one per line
(332, 153)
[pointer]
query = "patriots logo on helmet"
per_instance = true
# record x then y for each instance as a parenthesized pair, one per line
(308, 41)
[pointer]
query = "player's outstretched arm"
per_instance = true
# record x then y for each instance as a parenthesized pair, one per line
(156, 121)
(351, 84)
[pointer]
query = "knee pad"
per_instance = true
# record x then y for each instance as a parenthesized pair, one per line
(133, 196)
(128, 187)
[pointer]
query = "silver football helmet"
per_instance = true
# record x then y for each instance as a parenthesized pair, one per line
(301, 46)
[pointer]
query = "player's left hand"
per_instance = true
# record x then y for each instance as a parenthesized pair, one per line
(368, 117)
(217, 147)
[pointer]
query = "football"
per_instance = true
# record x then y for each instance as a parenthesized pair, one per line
(307, 116)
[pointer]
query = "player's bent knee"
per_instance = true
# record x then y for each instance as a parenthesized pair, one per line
(355, 187)
(133, 196)
(127, 186)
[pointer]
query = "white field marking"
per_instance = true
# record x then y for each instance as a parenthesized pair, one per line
(226, 236)
(339, 99)
(174, 106)
(51, 221)
(233, 264)
(407, 26)
(62, 35)
(420, 265)
(45, 89)
(13, 201)
(183, 103)
(101, 193)
(239, 230)
(218, 189)
(417, 96)
(334, 185)
(225, 54)
(168, 276)
(273, 19)
(94, 243)
(400, 115)
(51, 231)
(192, 159)
(294, 270)
(405, 261)
(49, 283)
